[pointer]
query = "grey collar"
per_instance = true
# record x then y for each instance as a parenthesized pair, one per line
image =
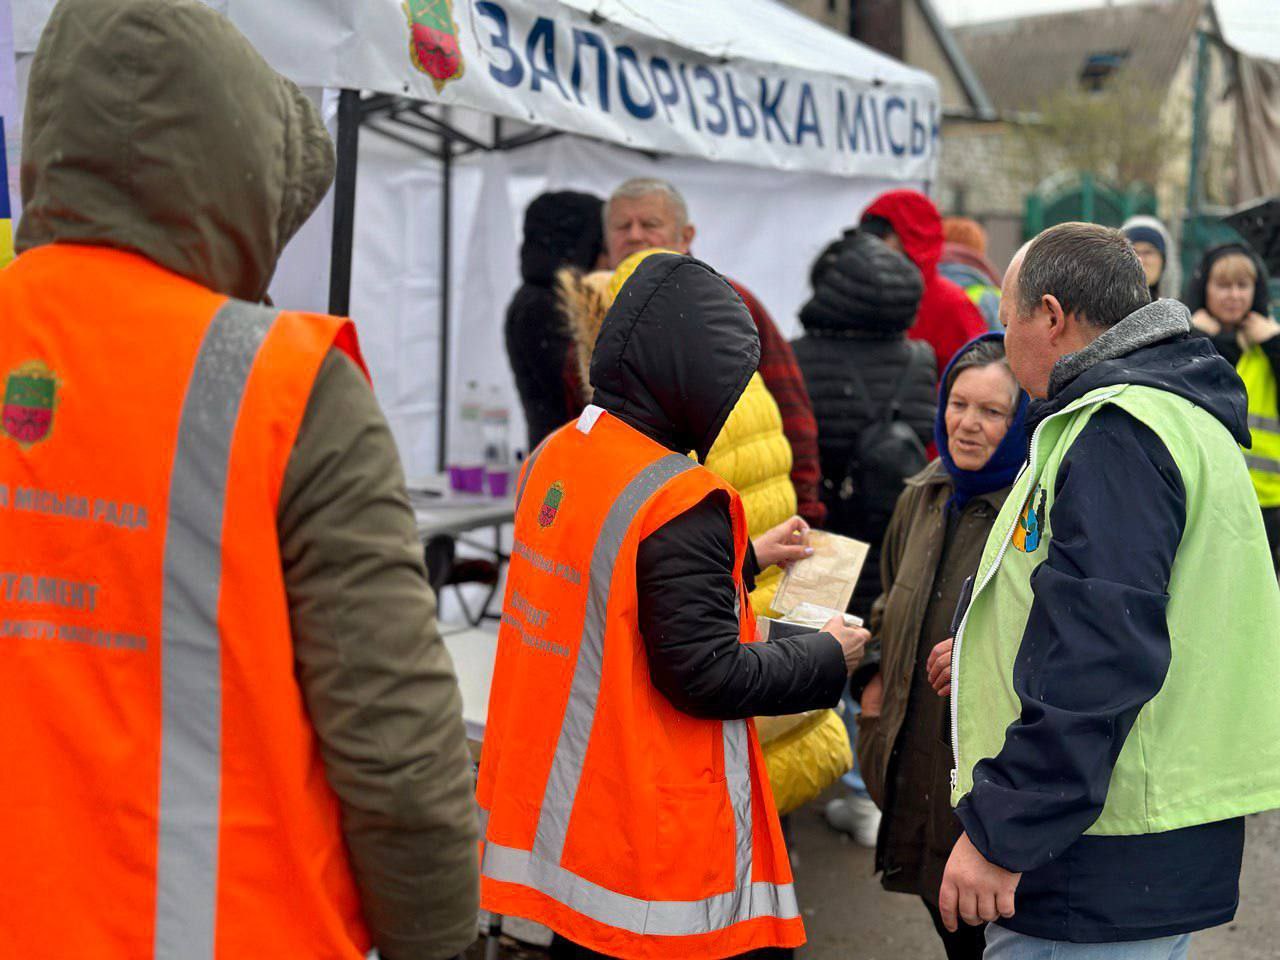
(1160, 320)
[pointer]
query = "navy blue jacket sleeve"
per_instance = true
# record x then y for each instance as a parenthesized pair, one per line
(1096, 646)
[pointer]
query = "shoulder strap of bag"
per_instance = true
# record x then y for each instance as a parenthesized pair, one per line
(894, 407)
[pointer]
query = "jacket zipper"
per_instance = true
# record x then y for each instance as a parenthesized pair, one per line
(991, 572)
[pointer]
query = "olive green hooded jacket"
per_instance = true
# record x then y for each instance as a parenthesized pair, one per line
(153, 126)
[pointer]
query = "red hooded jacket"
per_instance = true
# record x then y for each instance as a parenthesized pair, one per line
(947, 318)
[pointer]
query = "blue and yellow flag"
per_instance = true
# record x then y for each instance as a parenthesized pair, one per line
(6, 211)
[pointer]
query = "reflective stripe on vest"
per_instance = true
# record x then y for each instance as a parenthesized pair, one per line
(1262, 464)
(191, 711)
(540, 868)
(1257, 422)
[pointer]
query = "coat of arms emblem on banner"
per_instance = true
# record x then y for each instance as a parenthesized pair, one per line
(433, 40)
(30, 392)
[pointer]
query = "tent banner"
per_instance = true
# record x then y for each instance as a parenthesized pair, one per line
(548, 63)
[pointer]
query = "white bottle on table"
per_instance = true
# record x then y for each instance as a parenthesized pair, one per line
(497, 443)
(466, 467)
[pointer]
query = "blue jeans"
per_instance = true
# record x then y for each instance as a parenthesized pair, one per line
(1004, 944)
(853, 779)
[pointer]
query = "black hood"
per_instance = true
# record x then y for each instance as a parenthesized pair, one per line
(862, 286)
(1185, 365)
(562, 229)
(675, 353)
(1196, 298)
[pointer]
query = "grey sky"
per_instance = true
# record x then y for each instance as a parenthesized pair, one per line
(969, 11)
(1252, 26)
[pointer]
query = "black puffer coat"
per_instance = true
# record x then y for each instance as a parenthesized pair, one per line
(561, 229)
(864, 300)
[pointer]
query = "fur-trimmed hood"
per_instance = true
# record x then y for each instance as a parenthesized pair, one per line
(584, 299)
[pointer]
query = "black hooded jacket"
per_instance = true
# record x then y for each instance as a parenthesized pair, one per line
(560, 230)
(865, 296)
(1081, 687)
(861, 283)
(674, 355)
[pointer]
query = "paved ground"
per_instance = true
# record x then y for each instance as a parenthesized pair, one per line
(848, 916)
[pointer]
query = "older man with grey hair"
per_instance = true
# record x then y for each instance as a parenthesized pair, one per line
(1114, 715)
(646, 213)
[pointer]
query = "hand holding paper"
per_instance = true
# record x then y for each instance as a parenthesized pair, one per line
(852, 639)
(784, 544)
(826, 578)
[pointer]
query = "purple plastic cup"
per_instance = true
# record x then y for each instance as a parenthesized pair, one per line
(498, 480)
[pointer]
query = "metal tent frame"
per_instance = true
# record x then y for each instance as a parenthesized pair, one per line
(418, 126)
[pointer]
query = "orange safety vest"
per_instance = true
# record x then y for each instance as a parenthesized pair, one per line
(625, 825)
(164, 795)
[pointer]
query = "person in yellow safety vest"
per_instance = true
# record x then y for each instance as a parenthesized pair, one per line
(964, 262)
(1228, 299)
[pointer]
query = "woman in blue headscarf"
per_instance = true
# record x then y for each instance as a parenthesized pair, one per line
(932, 547)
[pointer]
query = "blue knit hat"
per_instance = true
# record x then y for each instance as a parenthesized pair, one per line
(1141, 233)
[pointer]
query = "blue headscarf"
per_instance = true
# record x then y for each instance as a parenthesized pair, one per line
(1002, 469)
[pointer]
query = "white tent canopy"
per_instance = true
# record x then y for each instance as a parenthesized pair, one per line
(745, 80)
(758, 228)
(750, 81)
(717, 96)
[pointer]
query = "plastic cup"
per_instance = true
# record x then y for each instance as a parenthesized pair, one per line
(473, 479)
(498, 481)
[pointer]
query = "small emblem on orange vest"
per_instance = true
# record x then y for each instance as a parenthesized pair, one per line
(433, 40)
(551, 504)
(30, 394)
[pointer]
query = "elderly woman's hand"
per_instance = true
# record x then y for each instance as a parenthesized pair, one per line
(939, 667)
(784, 544)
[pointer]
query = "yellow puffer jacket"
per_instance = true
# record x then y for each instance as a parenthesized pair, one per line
(753, 456)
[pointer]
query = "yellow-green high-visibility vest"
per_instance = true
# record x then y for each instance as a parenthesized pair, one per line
(1264, 422)
(1199, 751)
